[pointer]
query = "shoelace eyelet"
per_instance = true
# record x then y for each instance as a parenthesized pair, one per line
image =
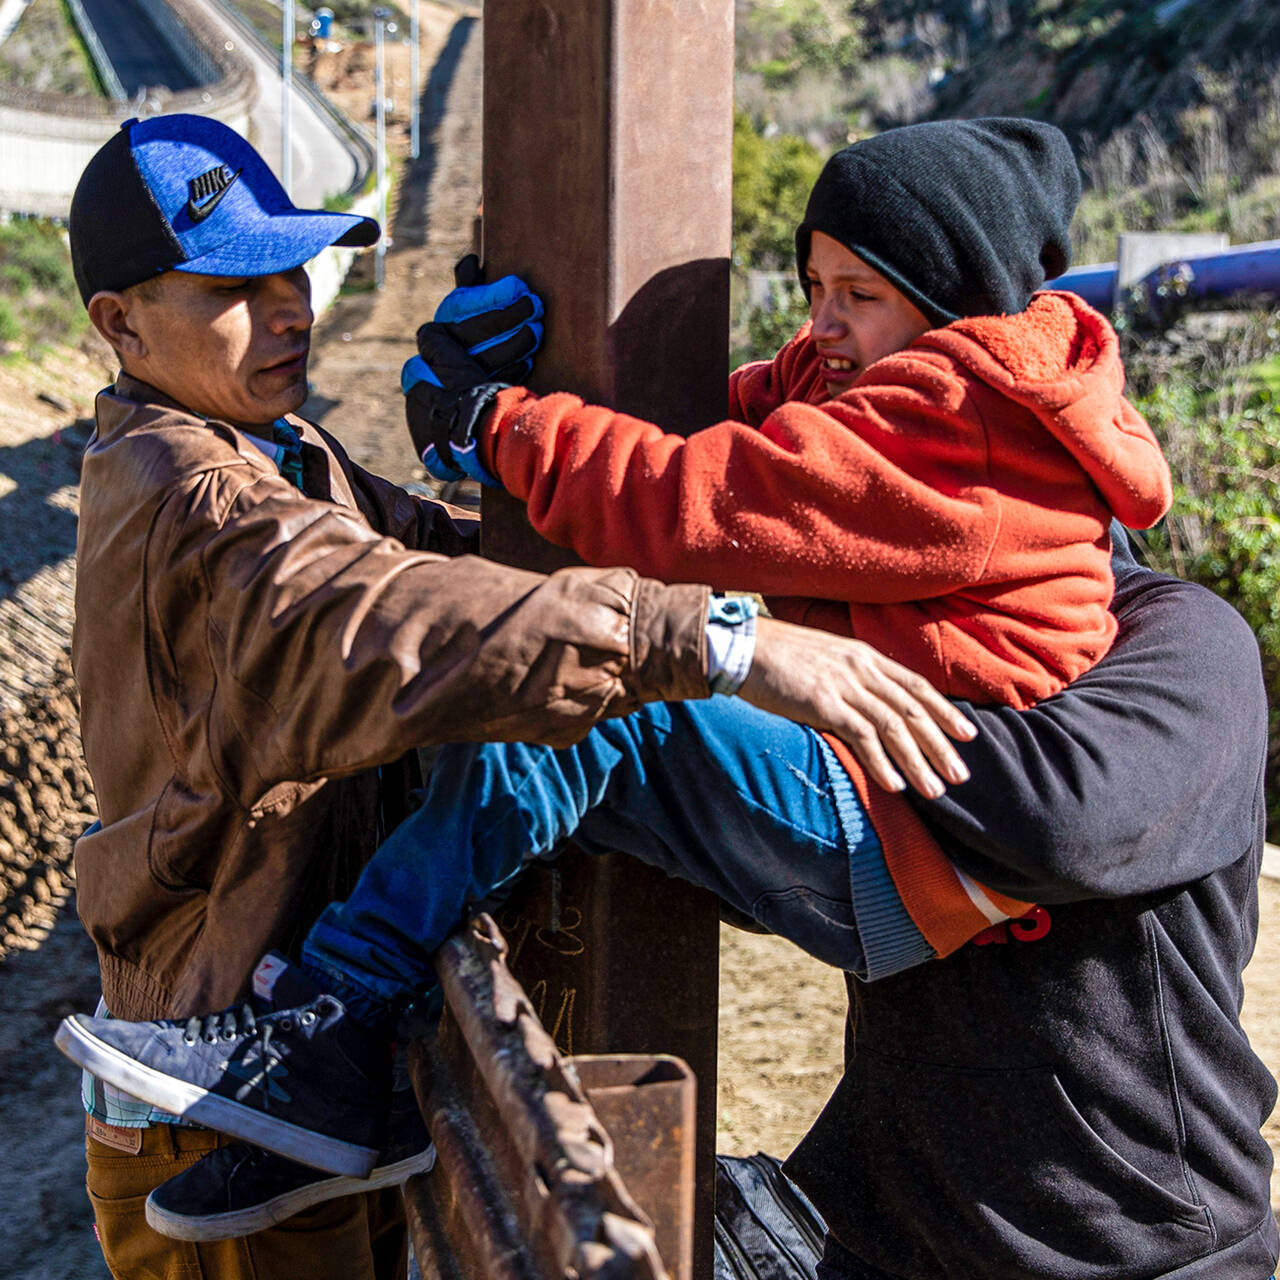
(286, 1024)
(189, 1039)
(210, 1037)
(228, 1034)
(308, 1018)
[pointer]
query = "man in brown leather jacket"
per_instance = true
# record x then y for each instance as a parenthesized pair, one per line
(264, 629)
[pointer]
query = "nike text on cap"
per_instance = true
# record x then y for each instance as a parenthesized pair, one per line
(186, 193)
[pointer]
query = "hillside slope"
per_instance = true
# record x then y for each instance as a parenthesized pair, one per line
(1173, 108)
(1090, 66)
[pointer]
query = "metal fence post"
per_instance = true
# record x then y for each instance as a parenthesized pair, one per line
(607, 184)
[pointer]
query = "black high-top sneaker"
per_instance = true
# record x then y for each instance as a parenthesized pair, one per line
(240, 1188)
(292, 1071)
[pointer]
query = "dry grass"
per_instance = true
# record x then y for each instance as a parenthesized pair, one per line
(45, 53)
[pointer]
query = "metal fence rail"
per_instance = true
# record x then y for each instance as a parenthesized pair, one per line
(97, 54)
(533, 1147)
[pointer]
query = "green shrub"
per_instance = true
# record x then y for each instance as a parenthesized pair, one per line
(760, 331)
(10, 329)
(772, 178)
(52, 322)
(15, 282)
(36, 248)
(782, 38)
(42, 305)
(1218, 417)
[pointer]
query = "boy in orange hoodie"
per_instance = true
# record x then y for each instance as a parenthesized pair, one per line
(931, 465)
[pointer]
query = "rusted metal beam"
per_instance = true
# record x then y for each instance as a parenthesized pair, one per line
(646, 1104)
(528, 1183)
(607, 184)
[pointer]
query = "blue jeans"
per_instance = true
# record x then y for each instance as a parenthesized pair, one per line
(747, 804)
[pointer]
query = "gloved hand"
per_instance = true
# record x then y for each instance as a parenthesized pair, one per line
(483, 338)
(497, 323)
(447, 395)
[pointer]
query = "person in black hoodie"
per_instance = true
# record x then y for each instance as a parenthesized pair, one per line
(1071, 1096)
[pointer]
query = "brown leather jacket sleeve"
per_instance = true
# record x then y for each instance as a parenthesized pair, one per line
(422, 524)
(329, 648)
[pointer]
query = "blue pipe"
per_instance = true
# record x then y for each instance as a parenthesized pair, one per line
(1245, 271)
(1096, 284)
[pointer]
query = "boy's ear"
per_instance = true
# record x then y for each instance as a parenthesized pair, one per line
(110, 311)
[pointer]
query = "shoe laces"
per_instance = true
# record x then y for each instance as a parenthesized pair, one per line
(230, 1024)
(255, 1157)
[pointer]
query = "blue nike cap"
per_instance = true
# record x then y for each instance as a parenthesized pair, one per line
(187, 193)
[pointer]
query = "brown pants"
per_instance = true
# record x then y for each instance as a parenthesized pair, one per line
(353, 1238)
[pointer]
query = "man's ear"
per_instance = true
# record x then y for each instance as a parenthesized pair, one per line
(110, 312)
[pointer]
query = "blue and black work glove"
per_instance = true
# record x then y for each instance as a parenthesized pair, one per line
(499, 324)
(482, 339)
(447, 394)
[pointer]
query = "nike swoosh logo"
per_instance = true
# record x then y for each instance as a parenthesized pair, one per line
(199, 212)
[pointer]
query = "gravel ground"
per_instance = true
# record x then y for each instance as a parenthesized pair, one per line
(47, 965)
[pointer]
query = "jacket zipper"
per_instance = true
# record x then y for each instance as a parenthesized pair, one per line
(739, 1264)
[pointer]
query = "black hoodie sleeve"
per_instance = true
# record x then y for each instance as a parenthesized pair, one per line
(1144, 774)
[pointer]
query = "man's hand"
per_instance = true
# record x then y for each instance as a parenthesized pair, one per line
(876, 705)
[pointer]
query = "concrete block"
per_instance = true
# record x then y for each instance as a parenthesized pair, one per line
(1139, 252)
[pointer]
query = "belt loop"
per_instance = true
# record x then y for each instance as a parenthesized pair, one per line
(168, 1145)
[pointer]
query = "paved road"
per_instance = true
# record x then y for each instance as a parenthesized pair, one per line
(140, 56)
(322, 163)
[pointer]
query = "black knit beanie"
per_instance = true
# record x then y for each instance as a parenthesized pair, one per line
(965, 217)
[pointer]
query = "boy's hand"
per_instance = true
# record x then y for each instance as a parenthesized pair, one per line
(445, 402)
(876, 705)
(483, 338)
(498, 324)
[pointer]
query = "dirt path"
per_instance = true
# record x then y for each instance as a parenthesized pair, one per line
(47, 966)
(361, 343)
(782, 1013)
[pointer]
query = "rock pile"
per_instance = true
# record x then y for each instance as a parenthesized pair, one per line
(45, 802)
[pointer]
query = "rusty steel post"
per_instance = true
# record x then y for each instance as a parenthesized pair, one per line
(607, 184)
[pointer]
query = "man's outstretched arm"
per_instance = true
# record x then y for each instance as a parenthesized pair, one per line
(381, 649)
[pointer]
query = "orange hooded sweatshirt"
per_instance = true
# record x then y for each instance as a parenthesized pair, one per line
(950, 508)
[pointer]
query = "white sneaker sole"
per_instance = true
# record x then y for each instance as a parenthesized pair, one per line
(193, 1102)
(244, 1222)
